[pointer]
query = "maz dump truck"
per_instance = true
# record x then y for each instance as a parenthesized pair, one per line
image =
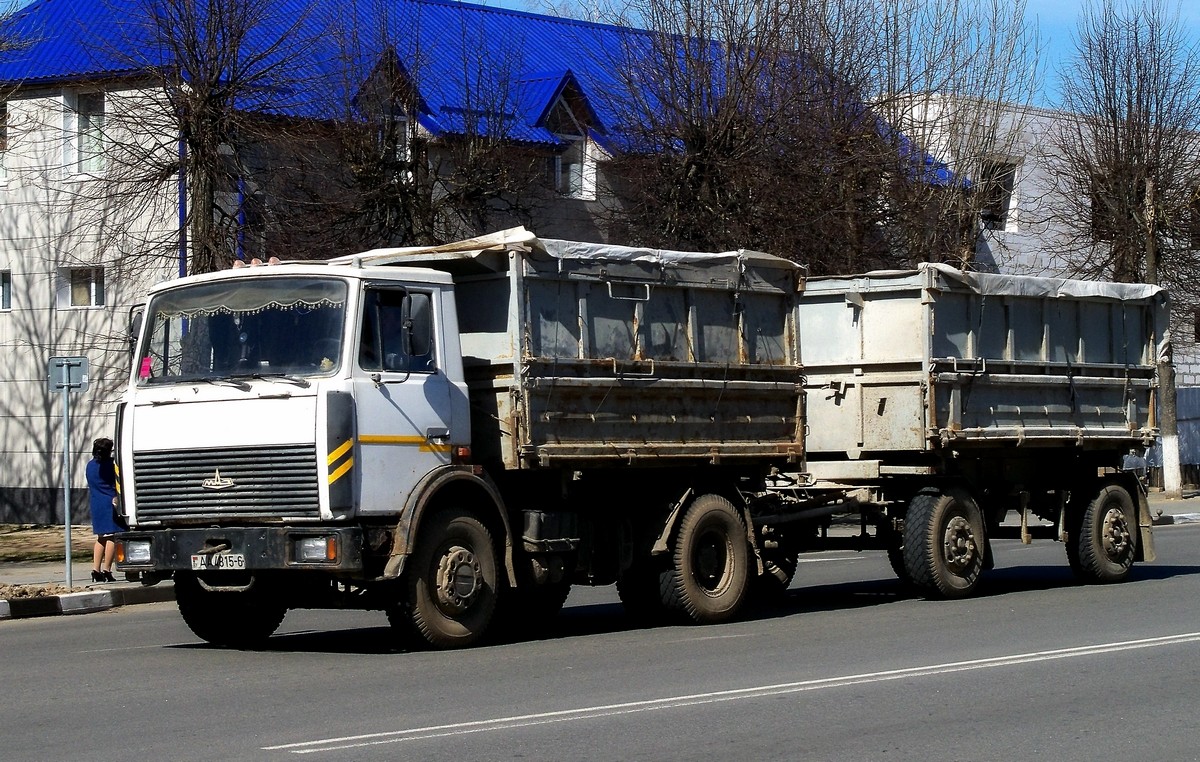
(456, 435)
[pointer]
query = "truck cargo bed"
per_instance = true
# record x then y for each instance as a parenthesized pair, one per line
(604, 354)
(906, 362)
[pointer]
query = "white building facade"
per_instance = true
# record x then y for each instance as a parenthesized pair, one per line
(61, 294)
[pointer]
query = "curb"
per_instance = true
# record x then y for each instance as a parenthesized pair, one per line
(86, 602)
(1177, 518)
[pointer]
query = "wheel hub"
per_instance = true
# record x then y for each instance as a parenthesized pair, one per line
(1115, 534)
(459, 579)
(711, 561)
(958, 544)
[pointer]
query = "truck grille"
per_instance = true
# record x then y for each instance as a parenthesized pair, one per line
(228, 482)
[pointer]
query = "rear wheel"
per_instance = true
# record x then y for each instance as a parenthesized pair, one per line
(944, 543)
(708, 576)
(451, 584)
(1104, 543)
(231, 618)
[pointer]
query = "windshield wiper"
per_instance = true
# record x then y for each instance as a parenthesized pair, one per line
(274, 377)
(225, 381)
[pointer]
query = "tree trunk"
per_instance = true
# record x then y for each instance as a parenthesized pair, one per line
(1168, 420)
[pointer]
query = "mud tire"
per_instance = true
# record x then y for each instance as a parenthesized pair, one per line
(451, 583)
(708, 578)
(944, 543)
(1103, 544)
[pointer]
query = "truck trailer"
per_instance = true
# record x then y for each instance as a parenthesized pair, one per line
(455, 435)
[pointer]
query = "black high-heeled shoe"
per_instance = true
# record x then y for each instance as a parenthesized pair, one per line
(108, 576)
(97, 576)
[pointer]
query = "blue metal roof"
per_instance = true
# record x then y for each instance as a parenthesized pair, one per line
(463, 59)
(474, 67)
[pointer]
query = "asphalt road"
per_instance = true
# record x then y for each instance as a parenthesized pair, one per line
(847, 668)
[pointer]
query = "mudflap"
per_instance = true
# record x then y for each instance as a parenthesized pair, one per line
(1145, 547)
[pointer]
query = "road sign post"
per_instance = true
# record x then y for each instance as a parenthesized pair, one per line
(67, 374)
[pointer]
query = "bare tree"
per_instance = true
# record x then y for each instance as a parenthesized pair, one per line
(807, 128)
(951, 77)
(397, 180)
(188, 141)
(1129, 165)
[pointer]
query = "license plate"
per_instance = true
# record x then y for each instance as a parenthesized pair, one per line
(218, 561)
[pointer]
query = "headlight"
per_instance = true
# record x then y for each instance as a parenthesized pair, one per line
(313, 550)
(133, 552)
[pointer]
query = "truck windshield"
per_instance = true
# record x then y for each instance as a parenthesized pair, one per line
(270, 326)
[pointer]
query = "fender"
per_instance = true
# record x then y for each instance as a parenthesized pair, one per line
(662, 546)
(424, 495)
(1145, 518)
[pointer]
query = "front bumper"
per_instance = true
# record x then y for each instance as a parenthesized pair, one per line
(262, 548)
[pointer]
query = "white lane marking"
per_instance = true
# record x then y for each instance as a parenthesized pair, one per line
(125, 648)
(736, 694)
(826, 560)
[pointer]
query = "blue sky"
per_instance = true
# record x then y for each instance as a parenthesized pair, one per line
(1057, 20)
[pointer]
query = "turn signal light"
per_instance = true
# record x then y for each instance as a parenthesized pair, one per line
(310, 550)
(133, 551)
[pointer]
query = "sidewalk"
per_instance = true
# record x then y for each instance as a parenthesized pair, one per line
(83, 597)
(1167, 512)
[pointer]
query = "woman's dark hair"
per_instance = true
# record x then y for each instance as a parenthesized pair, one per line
(102, 448)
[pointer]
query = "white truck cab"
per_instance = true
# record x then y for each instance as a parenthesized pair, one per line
(292, 396)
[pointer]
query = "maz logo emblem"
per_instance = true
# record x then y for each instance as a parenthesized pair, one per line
(217, 482)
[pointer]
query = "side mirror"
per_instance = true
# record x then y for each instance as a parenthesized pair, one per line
(136, 314)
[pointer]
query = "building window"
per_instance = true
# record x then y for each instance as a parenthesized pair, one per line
(573, 172)
(81, 287)
(3, 141)
(568, 179)
(573, 169)
(996, 189)
(5, 290)
(1194, 219)
(84, 126)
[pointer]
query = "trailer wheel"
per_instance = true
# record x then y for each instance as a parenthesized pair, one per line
(944, 543)
(1104, 543)
(230, 619)
(451, 586)
(708, 577)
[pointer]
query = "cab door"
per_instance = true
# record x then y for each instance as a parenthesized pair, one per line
(402, 395)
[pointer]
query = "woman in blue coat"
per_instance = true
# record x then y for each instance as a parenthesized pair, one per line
(102, 494)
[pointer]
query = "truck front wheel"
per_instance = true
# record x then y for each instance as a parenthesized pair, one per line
(1103, 545)
(230, 618)
(944, 543)
(708, 577)
(451, 587)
